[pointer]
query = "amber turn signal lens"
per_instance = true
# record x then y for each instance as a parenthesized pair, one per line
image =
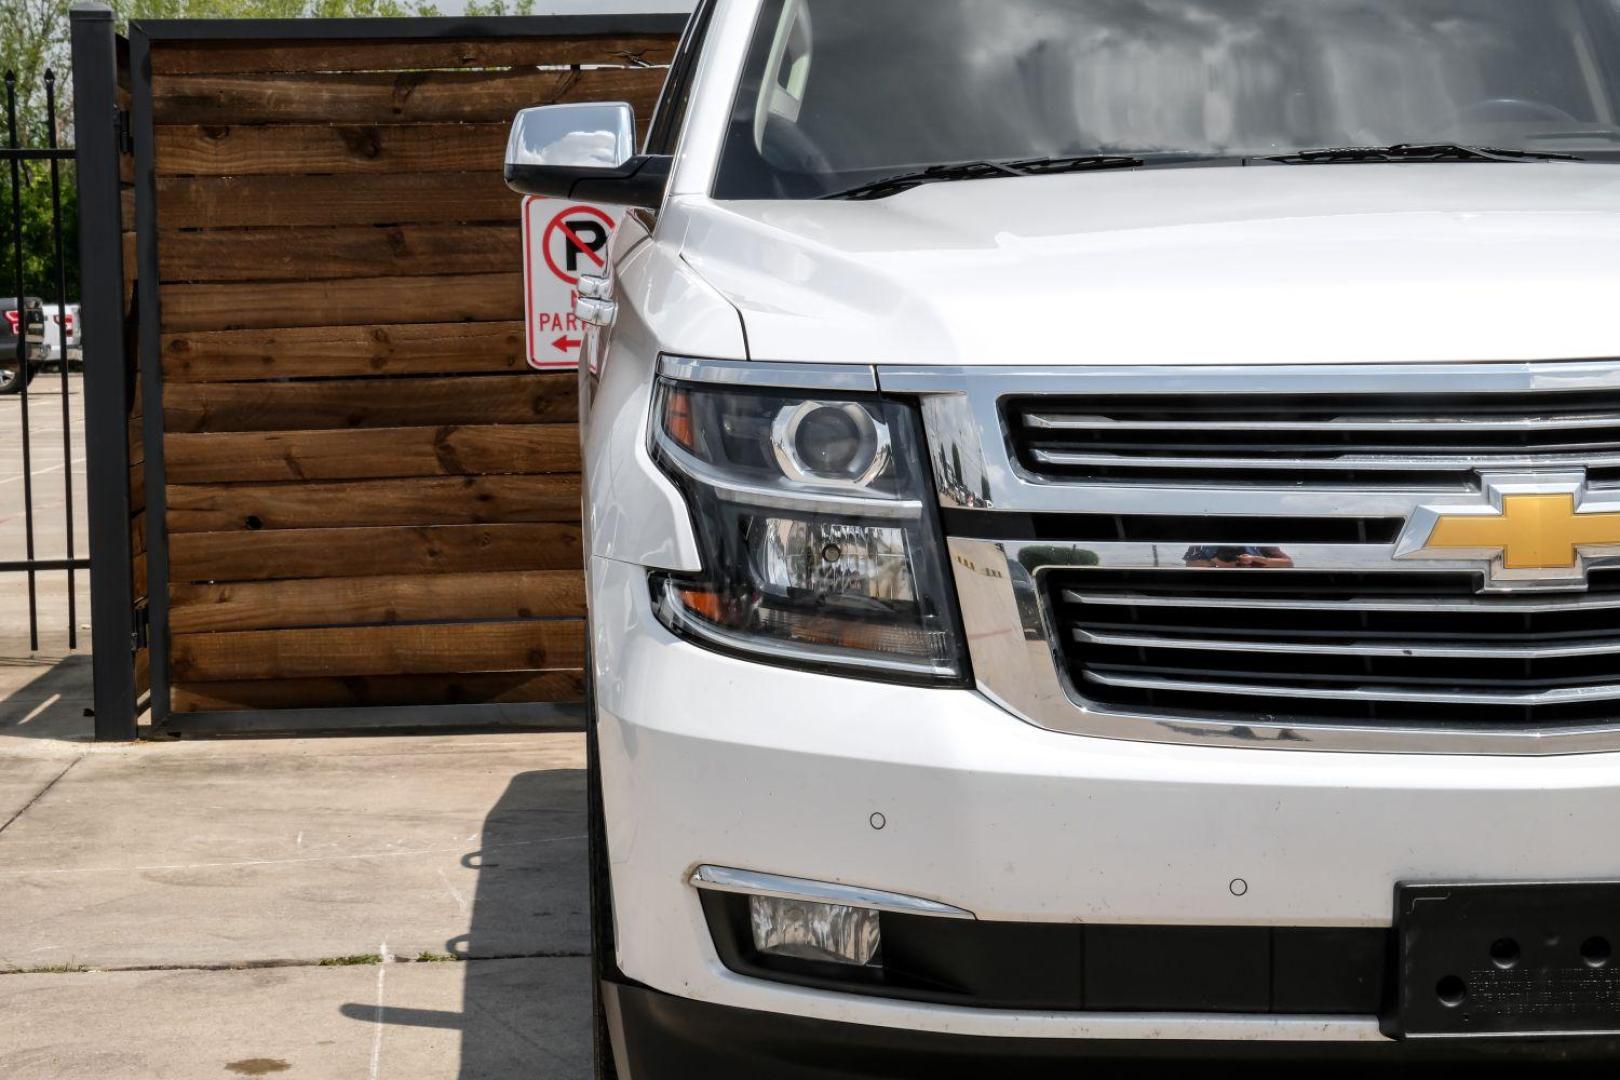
(678, 418)
(701, 601)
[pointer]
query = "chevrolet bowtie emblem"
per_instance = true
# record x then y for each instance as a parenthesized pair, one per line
(1531, 531)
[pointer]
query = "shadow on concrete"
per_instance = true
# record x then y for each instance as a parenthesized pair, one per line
(525, 1005)
(42, 699)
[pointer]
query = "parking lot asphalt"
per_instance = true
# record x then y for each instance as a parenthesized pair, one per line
(55, 463)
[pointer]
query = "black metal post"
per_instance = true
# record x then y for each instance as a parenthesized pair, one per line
(151, 352)
(62, 336)
(97, 133)
(23, 361)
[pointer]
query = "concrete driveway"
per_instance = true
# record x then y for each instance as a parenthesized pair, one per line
(364, 907)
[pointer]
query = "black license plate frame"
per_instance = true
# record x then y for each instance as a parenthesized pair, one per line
(1485, 959)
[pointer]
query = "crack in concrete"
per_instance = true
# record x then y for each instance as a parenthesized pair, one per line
(396, 854)
(267, 965)
(377, 1018)
(39, 794)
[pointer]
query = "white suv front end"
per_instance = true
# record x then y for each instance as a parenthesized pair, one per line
(1056, 601)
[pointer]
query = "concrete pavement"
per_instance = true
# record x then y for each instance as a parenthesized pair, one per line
(365, 907)
(491, 1019)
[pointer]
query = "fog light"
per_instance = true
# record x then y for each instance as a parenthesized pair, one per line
(805, 930)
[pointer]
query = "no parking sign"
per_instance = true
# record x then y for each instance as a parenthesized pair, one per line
(561, 239)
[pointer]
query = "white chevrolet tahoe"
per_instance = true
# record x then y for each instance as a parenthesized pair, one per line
(1103, 522)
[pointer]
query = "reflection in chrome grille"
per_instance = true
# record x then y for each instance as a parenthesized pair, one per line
(1381, 648)
(1322, 438)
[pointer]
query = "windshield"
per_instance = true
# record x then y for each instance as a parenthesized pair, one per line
(837, 93)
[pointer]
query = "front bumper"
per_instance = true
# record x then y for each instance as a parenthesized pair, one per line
(664, 1037)
(710, 759)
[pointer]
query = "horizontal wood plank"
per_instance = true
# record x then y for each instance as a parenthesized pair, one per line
(482, 500)
(330, 352)
(384, 97)
(222, 202)
(378, 650)
(424, 598)
(379, 453)
(374, 403)
(339, 553)
(241, 57)
(279, 149)
(356, 251)
(356, 302)
(484, 688)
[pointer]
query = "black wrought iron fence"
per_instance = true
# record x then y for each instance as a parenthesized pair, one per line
(29, 328)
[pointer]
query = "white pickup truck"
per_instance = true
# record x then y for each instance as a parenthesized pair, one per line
(1104, 535)
(62, 341)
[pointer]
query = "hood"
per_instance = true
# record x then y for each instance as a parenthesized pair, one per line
(1277, 264)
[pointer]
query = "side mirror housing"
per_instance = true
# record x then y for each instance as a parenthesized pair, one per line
(585, 152)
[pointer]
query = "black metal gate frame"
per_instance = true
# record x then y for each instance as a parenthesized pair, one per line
(98, 137)
(14, 154)
(100, 229)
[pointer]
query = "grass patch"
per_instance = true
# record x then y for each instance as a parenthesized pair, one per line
(436, 958)
(357, 960)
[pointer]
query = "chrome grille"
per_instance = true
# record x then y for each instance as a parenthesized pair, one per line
(1086, 509)
(1382, 648)
(1322, 438)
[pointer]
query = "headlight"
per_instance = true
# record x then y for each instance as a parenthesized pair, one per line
(819, 543)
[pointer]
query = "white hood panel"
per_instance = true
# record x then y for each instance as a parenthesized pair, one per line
(1263, 265)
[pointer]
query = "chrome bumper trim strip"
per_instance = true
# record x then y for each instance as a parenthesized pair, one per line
(753, 883)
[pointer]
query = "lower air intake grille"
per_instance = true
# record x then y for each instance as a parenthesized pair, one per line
(1389, 648)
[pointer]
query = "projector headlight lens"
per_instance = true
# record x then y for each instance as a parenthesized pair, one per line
(827, 441)
(819, 542)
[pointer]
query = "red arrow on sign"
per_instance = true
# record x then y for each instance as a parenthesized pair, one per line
(564, 344)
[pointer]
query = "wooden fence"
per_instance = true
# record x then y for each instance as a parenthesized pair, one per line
(368, 499)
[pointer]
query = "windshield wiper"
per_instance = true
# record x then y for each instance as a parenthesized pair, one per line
(984, 170)
(1350, 155)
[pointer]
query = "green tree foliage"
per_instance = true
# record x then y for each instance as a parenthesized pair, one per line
(31, 43)
(38, 228)
(34, 39)
(500, 7)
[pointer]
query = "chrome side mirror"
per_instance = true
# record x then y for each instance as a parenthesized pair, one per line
(592, 136)
(585, 152)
